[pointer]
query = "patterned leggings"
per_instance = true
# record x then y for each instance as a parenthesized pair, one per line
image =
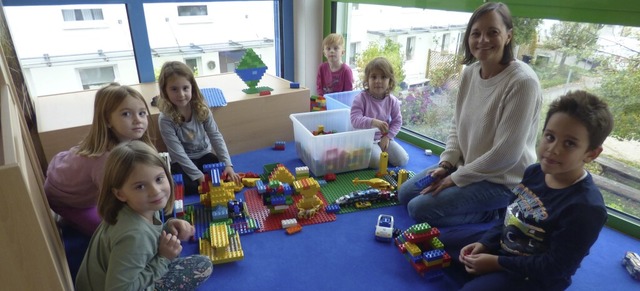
(185, 273)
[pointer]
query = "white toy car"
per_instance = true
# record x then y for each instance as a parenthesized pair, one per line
(384, 228)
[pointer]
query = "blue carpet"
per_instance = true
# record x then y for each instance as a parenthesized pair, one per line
(343, 255)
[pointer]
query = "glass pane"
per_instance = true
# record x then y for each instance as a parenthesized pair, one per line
(54, 43)
(217, 39)
(426, 43)
(605, 61)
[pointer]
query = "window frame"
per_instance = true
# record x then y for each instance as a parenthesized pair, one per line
(283, 27)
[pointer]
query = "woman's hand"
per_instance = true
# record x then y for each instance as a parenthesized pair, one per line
(442, 180)
(169, 246)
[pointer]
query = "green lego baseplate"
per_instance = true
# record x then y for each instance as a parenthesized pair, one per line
(343, 185)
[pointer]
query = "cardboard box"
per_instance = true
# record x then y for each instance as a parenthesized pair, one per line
(345, 150)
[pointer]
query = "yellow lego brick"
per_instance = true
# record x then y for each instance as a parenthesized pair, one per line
(219, 236)
(412, 248)
(250, 182)
(233, 252)
(433, 263)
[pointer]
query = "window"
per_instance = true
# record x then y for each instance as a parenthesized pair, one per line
(193, 64)
(354, 49)
(94, 78)
(203, 34)
(411, 43)
(82, 14)
(183, 31)
(446, 39)
(603, 60)
(193, 10)
(100, 37)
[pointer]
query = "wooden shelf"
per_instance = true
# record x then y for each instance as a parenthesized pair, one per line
(248, 122)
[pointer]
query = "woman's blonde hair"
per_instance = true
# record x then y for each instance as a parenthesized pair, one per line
(100, 138)
(118, 167)
(178, 69)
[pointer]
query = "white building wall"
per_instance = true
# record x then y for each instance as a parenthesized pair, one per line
(50, 34)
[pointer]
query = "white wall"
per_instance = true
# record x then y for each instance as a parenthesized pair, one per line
(307, 35)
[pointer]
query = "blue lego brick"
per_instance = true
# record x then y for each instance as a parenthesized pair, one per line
(278, 200)
(219, 213)
(215, 177)
(177, 179)
(287, 189)
(294, 85)
(424, 182)
(214, 97)
(332, 208)
(322, 182)
(251, 74)
(209, 167)
(433, 255)
(262, 189)
(415, 259)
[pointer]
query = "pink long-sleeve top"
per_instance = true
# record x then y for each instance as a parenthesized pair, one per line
(365, 108)
(74, 180)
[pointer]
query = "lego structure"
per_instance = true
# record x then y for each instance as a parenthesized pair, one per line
(317, 103)
(220, 219)
(383, 164)
(424, 251)
(251, 69)
(310, 204)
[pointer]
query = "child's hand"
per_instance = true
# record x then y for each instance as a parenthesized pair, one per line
(384, 143)
(471, 249)
(169, 246)
(478, 264)
(231, 174)
(181, 229)
(381, 125)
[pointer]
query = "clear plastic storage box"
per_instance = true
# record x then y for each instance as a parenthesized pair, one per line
(345, 98)
(345, 150)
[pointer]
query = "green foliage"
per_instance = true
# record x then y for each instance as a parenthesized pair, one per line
(573, 38)
(443, 72)
(428, 110)
(391, 51)
(525, 30)
(620, 89)
(551, 76)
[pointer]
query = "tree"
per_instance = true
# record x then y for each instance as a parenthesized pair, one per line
(525, 30)
(620, 89)
(573, 38)
(391, 51)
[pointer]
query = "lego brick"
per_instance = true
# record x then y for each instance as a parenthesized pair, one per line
(293, 229)
(268, 221)
(214, 97)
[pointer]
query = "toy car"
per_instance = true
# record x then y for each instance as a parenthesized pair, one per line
(363, 204)
(384, 228)
(631, 261)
